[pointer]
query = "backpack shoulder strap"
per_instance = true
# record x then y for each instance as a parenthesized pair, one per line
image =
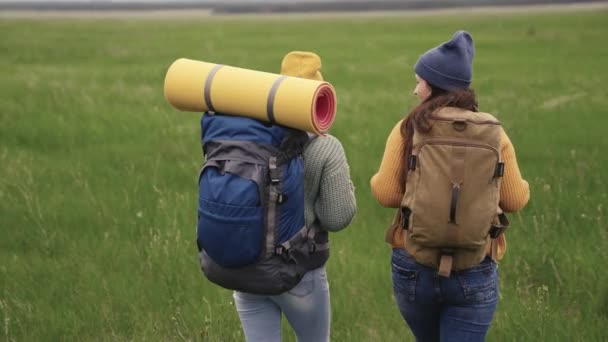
(274, 191)
(401, 218)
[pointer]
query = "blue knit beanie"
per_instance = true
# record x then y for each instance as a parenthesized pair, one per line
(448, 66)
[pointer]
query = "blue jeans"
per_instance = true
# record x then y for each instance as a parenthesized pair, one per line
(458, 308)
(306, 308)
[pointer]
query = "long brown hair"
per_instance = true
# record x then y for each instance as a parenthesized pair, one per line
(419, 116)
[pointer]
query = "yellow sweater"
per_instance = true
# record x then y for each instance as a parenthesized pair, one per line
(388, 189)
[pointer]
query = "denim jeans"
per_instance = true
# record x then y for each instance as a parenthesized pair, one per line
(458, 308)
(306, 308)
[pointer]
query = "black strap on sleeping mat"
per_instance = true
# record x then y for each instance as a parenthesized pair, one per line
(207, 90)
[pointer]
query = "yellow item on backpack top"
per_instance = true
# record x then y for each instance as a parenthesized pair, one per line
(305, 104)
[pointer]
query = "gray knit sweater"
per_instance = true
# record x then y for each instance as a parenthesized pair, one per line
(329, 195)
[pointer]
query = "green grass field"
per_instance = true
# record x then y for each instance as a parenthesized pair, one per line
(98, 173)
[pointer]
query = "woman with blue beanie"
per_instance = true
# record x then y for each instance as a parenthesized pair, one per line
(439, 298)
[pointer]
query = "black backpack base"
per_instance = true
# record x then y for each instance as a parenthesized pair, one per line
(276, 273)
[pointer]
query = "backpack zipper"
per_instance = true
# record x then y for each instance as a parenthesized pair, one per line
(454, 142)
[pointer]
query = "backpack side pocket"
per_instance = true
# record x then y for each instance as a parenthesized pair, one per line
(230, 218)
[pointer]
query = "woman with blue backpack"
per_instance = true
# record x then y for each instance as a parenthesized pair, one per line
(452, 172)
(329, 203)
(268, 196)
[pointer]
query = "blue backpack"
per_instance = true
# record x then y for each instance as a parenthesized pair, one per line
(251, 232)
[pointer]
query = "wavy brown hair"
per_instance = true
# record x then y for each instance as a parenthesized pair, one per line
(419, 116)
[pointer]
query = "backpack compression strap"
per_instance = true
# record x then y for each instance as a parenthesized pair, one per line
(307, 235)
(274, 190)
(457, 177)
(497, 229)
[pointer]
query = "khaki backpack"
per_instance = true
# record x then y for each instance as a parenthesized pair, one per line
(450, 208)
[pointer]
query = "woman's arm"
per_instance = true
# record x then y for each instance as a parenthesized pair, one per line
(335, 205)
(386, 184)
(514, 191)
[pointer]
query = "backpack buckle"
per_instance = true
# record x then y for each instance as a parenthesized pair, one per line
(412, 161)
(275, 176)
(312, 247)
(405, 217)
(500, 227)
(500, 170)
(282, 198)
(280, 250)
(495, 231)
(283, 252)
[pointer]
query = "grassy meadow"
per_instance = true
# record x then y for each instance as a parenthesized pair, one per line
(98, 173)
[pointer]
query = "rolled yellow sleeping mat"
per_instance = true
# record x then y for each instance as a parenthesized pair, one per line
(294, 102)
